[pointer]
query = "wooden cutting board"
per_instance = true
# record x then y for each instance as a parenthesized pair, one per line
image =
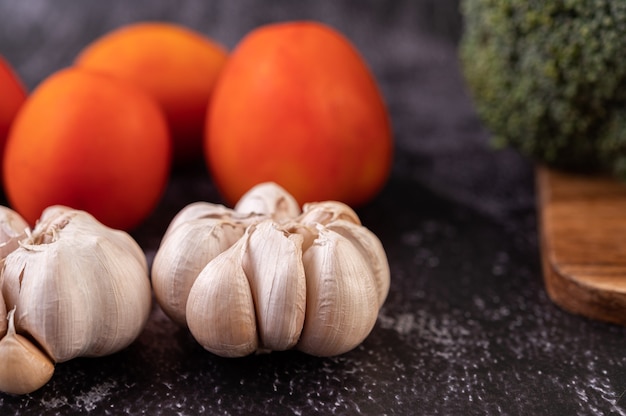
(582, 222)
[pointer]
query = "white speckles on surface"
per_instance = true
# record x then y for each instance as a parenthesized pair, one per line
(83, 402)
(53, 403)
(476, 360)
(89, 400)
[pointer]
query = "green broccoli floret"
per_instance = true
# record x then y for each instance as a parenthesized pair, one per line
(548, 77)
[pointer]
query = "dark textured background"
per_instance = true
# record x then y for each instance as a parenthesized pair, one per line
(467, 327)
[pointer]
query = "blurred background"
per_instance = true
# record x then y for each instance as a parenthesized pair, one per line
(409, 45)
(57, 31)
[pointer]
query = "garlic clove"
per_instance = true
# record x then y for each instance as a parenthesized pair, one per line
(341, 296)
(13, 228)
(326, 212)
(273, 264)
(269, 199)
(371, 249)
(198, 210)
(82, 288)
(24, 367)
(181, 257)
(220, 308)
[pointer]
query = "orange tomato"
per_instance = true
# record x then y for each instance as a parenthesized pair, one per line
(12, 96)
(91, 142)
(176, 65)
(297, 105)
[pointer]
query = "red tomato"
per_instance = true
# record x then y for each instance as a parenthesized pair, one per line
(12, 96)
(297, 105)
(91, 142)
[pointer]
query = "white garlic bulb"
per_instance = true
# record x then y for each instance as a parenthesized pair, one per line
(75, 287)
(266, 276)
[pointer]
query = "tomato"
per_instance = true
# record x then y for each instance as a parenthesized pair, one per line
(91, 142)
(297, 105)
(12, 96)
(175, 65)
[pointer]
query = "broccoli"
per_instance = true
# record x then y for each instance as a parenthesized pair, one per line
(548, 77)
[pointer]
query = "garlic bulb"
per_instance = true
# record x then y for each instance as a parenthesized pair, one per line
(75, 288)
(266, 276)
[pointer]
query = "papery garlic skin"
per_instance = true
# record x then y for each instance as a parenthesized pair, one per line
(371, 249)
(326, 212)
(13, 228)
(80, 288)
(206, 211)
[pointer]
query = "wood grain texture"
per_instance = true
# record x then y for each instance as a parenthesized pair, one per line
(583, 243)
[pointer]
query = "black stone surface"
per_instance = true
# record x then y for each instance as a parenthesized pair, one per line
(467, 328)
